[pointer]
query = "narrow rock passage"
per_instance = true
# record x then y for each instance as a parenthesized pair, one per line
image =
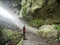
(33, 39)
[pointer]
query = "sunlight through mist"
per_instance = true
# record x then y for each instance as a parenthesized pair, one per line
(5, 13)
(12, 18)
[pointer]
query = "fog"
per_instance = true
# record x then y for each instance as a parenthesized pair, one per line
(9, 20)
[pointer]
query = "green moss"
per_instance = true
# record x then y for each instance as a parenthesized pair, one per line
(57, 27)
(37, 22)
(3, 36)
(7, 34)
(12, 34)
(21, 42)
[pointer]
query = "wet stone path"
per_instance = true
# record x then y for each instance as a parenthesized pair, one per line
(33, 39)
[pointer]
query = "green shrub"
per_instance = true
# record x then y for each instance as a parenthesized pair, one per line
(57, 27)
(36, 22)
(58, 34)
(3, 36)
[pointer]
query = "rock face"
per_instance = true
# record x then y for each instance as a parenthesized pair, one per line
(41, 9)
(34, 10)
(32, 4)
(36, 4)
(47, 31)
(40, 5)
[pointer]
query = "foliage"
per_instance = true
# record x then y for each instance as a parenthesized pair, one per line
(13, 35)
(37, 22)
(7, 34)
(3, 36)
(57, 27)
(20, 43)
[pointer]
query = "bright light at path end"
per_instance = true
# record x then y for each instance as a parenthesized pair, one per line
(5, 13)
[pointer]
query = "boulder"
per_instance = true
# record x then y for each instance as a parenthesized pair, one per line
(47, 31)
